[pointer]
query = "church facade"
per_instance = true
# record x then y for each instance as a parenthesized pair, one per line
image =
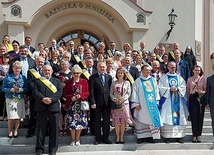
(122, 21)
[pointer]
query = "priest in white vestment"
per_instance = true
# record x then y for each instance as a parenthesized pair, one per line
(144, 99)
(173, 105)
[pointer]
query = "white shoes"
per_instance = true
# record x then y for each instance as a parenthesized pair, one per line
(78, 143)
(73, 143)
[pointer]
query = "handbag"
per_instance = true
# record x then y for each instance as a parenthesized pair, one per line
(114, 105)
(85, 106)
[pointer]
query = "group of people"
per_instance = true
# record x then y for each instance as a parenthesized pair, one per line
(152, 91)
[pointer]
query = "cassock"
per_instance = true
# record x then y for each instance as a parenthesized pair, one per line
(147, 119)
(174, 111)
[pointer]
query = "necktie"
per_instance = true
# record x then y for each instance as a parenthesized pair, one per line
(102, 79)
(40, 71)
(89, 70)
(127, 67)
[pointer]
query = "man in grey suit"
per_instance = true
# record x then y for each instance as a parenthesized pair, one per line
(210, 97)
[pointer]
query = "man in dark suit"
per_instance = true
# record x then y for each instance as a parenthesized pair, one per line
(171, 56)
(71, 48)
(48, 91)
(79, 56)
(26, 61)
(53, 46)
(28, 42)
(87, 72)
(112, 49)
(132, 70)
(210, 97)
(32, 76)
(99, 99)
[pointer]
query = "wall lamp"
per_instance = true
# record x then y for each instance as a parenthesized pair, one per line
(171, 16)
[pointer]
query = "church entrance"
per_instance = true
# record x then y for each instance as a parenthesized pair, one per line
(81, 36)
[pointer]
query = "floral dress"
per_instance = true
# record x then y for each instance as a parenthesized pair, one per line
(119, 115)
(77, 119)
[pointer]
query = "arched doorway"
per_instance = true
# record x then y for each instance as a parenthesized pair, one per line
(81, 36)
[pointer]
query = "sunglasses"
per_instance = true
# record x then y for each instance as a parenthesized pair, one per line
(75, 73)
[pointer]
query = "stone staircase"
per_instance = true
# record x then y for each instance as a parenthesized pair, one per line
(22, 145)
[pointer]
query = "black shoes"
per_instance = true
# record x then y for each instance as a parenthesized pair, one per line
(179, 140)
(10, 136)
(140, 140)
(39, 152)
(52, 153)
(150, 140)
(106, 141)
(29, 135)
(96, 142)
(119, 142)
(167, 140)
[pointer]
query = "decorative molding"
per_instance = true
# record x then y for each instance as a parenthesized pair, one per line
(16, 11)
(9, 2)
(141, 18)
(134, 2)
(198, 50)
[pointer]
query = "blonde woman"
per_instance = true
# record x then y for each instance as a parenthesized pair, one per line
(117, 60)
(14, 86)
(127, 49)
(6, 42)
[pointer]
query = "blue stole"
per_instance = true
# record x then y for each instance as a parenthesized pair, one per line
(150, 98)
(175, 100)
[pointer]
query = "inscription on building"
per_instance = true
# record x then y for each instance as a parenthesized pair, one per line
(86, 6)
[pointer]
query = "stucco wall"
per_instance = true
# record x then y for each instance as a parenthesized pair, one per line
(3, 25)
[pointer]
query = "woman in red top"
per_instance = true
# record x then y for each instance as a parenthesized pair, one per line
(75, 91)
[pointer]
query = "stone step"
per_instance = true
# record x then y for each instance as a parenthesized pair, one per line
(207, 122)
(30, 149)
(129, 130)
(207, 114)
(88, 139)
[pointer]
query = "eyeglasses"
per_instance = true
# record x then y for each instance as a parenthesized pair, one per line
(76, 73)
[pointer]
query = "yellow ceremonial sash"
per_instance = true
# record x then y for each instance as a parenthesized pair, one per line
(29, 53)
(145, 63)
(139, 52)
(159, 58)
(86, 73)
(48, 84)
(83, 63)
(172, 54)
(76, 57)
(129, 76)
(109, 53)
(35, 73)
